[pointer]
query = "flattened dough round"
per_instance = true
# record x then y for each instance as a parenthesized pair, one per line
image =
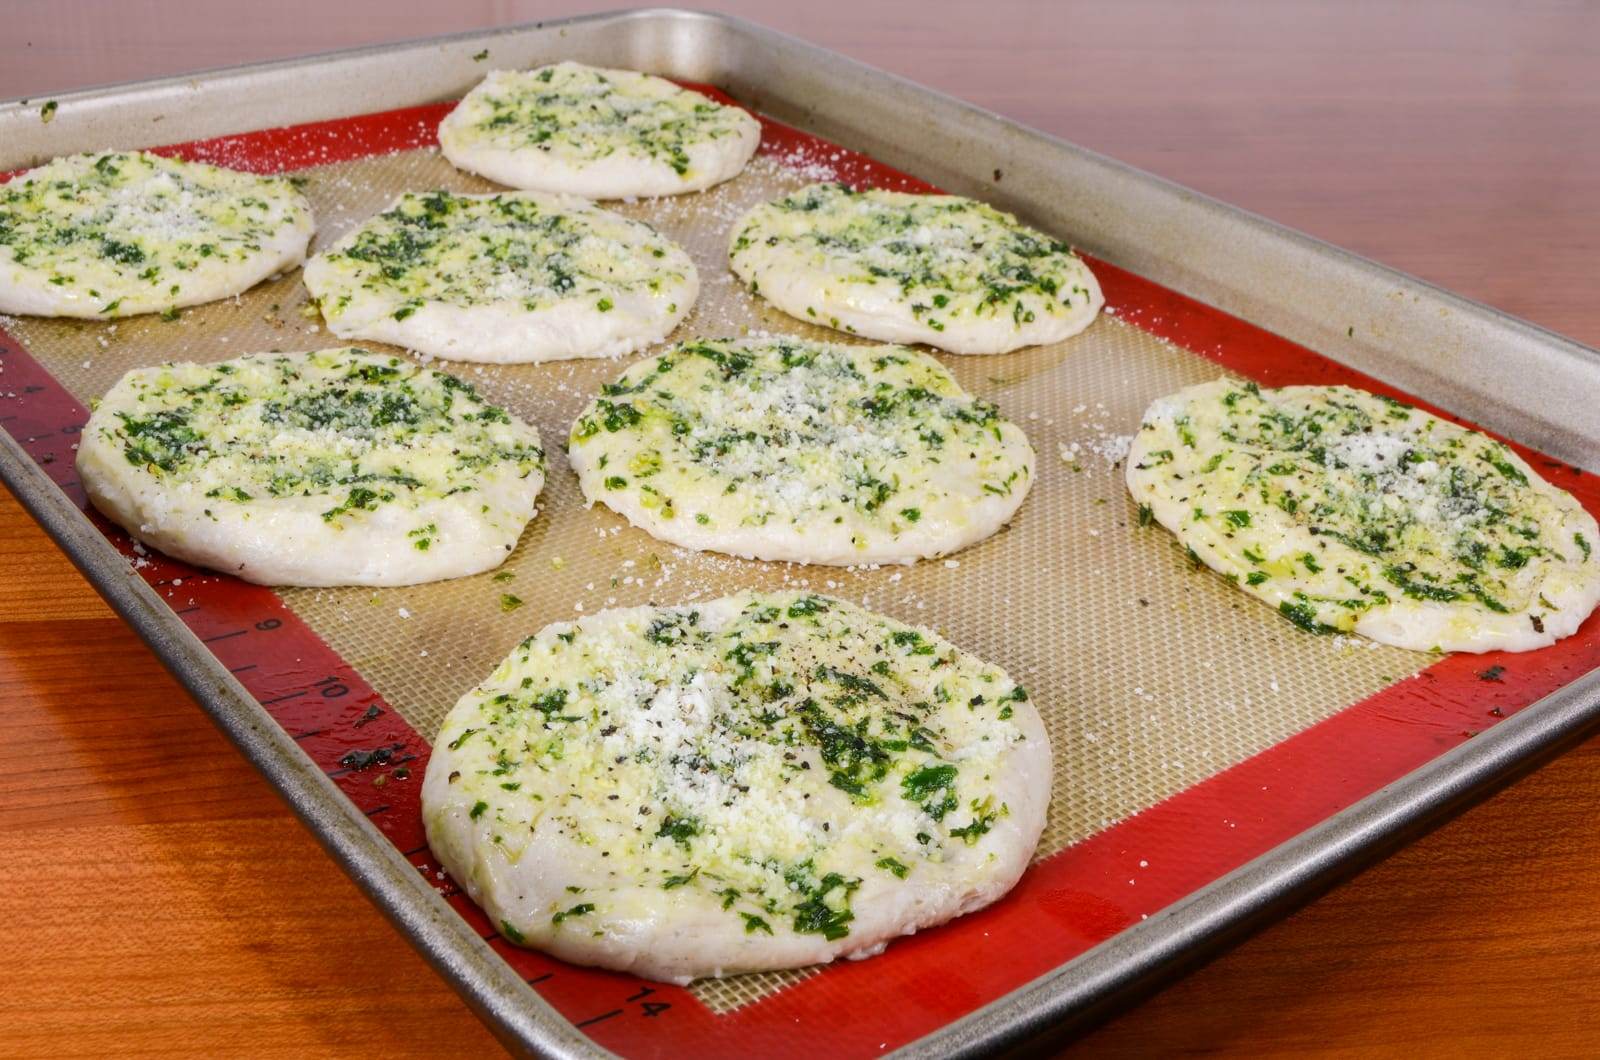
(1349, 511)
(784, 449)
(340, 467)
(602, 134)
(113, 234)
(938, 269)
(763, 781)
(510, 278)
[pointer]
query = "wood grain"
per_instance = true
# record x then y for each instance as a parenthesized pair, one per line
(157, 899)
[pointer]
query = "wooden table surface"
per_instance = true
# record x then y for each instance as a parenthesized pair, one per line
(157, 899)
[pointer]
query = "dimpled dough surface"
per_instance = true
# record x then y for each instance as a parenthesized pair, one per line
(939, 269)
(602, 134)
(1349, 511)
(111, 235)
(784, 449)
(334, 468)
(762, 781)
(513, 277)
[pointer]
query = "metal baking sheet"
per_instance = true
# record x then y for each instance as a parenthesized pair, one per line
(1194, 730)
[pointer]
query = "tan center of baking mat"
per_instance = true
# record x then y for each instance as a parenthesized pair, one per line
(1150, 676)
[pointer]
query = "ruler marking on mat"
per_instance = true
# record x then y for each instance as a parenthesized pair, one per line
(329, 687)
(600, 1018)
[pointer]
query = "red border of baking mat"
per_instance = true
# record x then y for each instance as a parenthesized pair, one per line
(1064, 905)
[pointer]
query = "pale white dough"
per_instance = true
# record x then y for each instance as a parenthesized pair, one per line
(113, 234)
(757, 782)
(340, 467)
(938, 269)
(1353, 512)
(784, 449)
(602, 134)
(513, 277)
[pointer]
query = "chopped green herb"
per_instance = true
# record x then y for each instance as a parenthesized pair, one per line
(679, 829)
(581, 909)
(1303, 616)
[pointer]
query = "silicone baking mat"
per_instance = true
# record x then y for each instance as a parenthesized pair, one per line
(1193, 727)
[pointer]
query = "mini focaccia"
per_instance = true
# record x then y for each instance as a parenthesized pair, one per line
(113, 234)
(782, 449)
(602, 134)
(763, 781)
(333, 468)
(938, 269)
(514, 277)
(1351, 511)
